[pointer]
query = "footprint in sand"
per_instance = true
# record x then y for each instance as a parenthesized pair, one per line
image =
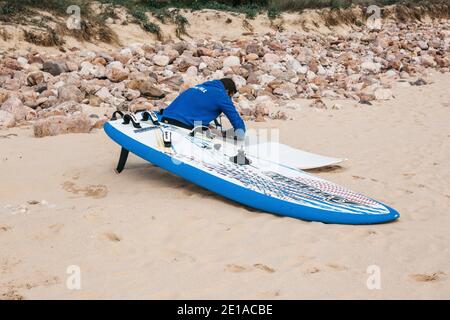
(312, 270)
(179, 256)
(7, 136)
(263, 267)
(238, 269)
(46, 282)
(7, 265)
(112, 237)
(424, 277)
(4, 227)
(11, 289)
(95, 191)
(11, 294)
(56, 228)
(337, 267)
(409, 175)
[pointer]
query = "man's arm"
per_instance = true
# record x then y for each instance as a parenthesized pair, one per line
(230, 111)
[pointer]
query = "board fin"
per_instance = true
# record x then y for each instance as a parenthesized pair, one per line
(122, 160)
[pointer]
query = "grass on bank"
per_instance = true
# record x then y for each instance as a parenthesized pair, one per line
(168, 11)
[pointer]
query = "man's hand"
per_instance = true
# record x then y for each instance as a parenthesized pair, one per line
(232, 134)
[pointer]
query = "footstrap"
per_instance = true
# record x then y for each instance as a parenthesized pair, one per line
(114, 115)
(131, 118)
(146, 115)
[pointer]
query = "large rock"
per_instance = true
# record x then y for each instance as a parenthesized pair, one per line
(244, 108)
(366, 98)
(265, 79)
(443, 62)
(29, 98)
(271, 58)
(231, 61)
(371, 67)
(161, 60)
(5, 74)
(22, 61)
(172, 54)
(318, 104)
(72, 65)
(251, 57)
(15, 107)
(62, 109)
(180, 47)
(187, 60)
(116, 72)
(4, 95)
(192, 71)
(12, 64)
(55, 68)
(35, 78)
(70, 92)
(146, 88)
(423, 45)
(254, 48)
(204, 52)
(131, 94)
(239, 81)
(261, 110)
(427, 61)
(189, 82)
(56, 125)
(211, 63)
(286, 90)
(140, 104)
(6, 119)
(295, 65)
(104, 94)
(90, 71)
(279, 115)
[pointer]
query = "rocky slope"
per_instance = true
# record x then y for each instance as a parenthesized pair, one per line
(76, 90)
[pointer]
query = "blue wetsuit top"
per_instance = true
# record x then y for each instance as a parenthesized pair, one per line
(202, 104)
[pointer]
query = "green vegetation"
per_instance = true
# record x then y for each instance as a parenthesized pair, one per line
(168, 11)
(141, 17)
(159, 8)
(92, 26)
(273, 8)
(47, 39)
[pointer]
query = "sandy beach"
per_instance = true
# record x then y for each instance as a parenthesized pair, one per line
(326, 80)
(147, 234)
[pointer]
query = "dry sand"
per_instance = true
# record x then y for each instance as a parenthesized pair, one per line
(148, 234)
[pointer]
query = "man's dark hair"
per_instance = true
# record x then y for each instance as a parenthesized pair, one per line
(229, 85)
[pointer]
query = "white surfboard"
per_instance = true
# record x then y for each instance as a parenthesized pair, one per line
(284, 154)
